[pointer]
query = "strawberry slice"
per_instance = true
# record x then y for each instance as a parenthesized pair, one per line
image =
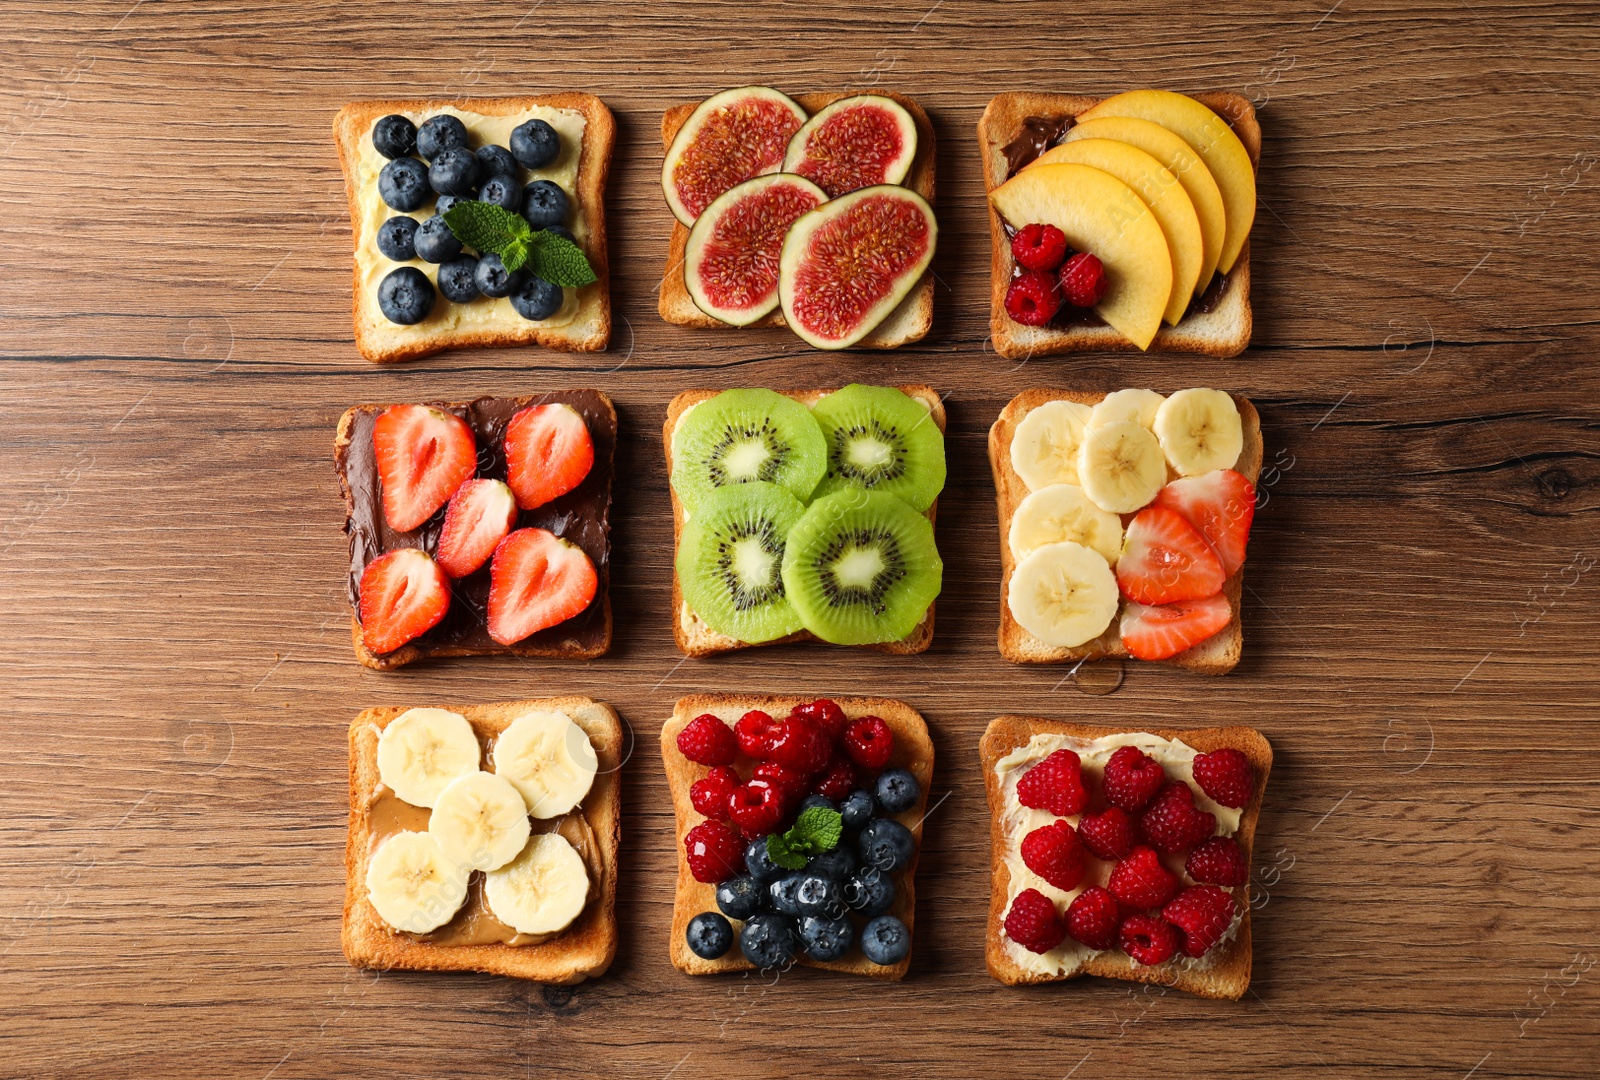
(548, 453)
(1221, 505)
(1164, 559)
(423, 456)
(1155, 633)
(404, 594)
(480, 514)
(536, 580)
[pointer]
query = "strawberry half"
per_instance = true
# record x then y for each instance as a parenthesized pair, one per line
(480, 514)
(404, 594)
(536, 580)
(423, 456)
(1155, 633)
(548, 453)
(1220, 505)
(1164, 559)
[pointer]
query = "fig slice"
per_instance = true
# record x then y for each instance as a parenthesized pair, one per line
(854, 143)
(730, 264)
(847, 264)
(729, 138)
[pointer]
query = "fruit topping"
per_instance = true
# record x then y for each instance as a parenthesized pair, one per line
(394, 136)
(791, 783)
(754, 732)
(709, 795)
(1132, 778)
(1039, 247)
(1225, 776)
(492, 278)
(885, 940)
(1165, 560)
(882, 439)
(1054, 784)
(403, 184)
(545, 204)
(423, 456)
(1220, 504)
(548, 453)
(494, 160)
(740, 897)
(535, 298)
(856, 809)
(1172, 822)
(768, 940)
(405, 296)
(434, 242)
(886, 845)
(847, 264)
(397, 238)
(826, 939)
(1054, 853)
(535, 144)
(730, 264)
(439, 133)
(454, 171)
(709, 935)
(548, 758)
(837, 780)
(714, 852)
(730, 559)
(741, 436)
(756, 807)
(1120, 466)
(1202, 914)
(706, 740)
(1044, 449)
(542, 890)
(1110, 834)
(869, 742)
(422, 750)
(457, 279)
(1133, 405)
(1141, 881)
(800, 746)
(729, 138)
(413, 885)
(1034, 923)
(855, 142)
(869, 893)
(897, 791)
(1083, 280)
(827, 715)
(1218, 861)
(1059, 513)
(1155, 633)
(1200, 431)
(480, 820)
(1093, 918)
(536, 580)
(404, 594)
(1063, 594)
(1148, 939)
(478, 517)
(503, 191)
(1033, 298)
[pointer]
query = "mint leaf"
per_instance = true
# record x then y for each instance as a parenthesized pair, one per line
(778, 851)
(815, 831)
(487, 227)
(558, 260)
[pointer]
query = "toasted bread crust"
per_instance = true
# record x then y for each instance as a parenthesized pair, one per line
(913, 750)
(590, 330)
(694, 637)
(582, 951)
(1228, 974)
(909, 322)
(1217, 655)
(1222, 332)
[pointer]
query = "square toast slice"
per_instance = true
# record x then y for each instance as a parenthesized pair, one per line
(1216, 655)
(582, 951)
(908, 322)
(588, 329)
(913, 750)
(1225, 972)
(693, 636)
(1222, 330)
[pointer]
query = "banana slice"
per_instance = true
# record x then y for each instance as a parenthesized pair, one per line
(542, 890)
(413, 884)
(1135, 406)
(1063, 594)
(549, 759)
(422, 750)
(1200, 431)
(1044, 450)
(1063, 512)
(1121, 466)
(480, 821)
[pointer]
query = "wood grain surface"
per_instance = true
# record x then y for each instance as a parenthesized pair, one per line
(175, 348)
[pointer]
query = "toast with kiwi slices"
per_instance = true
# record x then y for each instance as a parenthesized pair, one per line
(805, 515)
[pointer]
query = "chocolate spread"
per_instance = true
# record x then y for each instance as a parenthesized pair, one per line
(581, 516)
(1208, 301)
(1038, 134)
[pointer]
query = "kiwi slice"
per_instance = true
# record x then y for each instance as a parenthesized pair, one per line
(861, 566)
(881, 439)
(744, 436)
(730, 560)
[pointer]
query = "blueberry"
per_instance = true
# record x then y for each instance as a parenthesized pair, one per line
(403, 184)
(817, 800)
(819, 895)
(561, 231)
(836, 864)
(395, 238)
(535, 298)
(709, 935)
(898, 791)
(886, 845)
(826, 939)
(535, 144)
(781, 894)
(768, 940)
(544, 204)
(456, 279)
(740, 897)
(496, 160)
(405, 296)
(885, 940)
(439, 133)
(503, 191)
(857, 809)
(435, 242)
(446, 202)
(454, 172)
(760, 864)
(869, 893)
(394, 136)
(492, 278)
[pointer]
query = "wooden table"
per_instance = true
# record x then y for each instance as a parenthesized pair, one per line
(1420, 619)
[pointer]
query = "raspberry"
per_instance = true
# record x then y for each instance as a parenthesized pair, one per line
(837, 780)
(1110, 834)
(1171, 822)
(1141, 881)
(1032, 299)
(1202, 914)
(1054, 784)
(1083, 280)
(1053, 852)
(1033, 922)
(800, 745)
(826, 714)
(1093, 916)
(1147, 939)
(1225, 776)
(756, 807)
(1218, 861)
(869, 742)
(1132, 778)
(1039, 247)
(714, 851)
(708, 741)
(754, 732)
(792, 784)
(709, 795)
